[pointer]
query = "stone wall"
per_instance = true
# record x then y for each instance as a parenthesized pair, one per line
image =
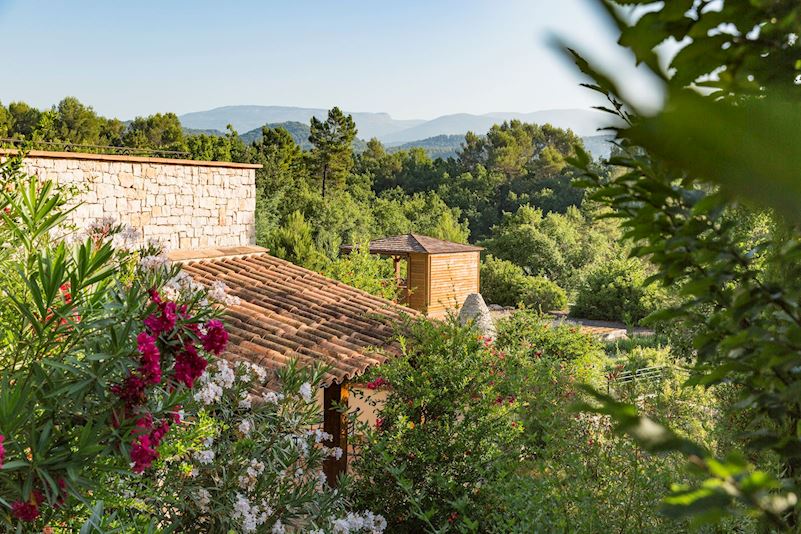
(185, 204)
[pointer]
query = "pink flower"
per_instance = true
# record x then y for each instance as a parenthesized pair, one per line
(28, 511)
(2, 450)
(189, 366)
(377, 383)
(143, 449)
(150, 362)
(163, 320)
(142, 454)
(216, 338)
(154, 296)
(131, 391)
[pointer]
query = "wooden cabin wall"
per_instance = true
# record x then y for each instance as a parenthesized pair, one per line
(417, 271)
(453, 277)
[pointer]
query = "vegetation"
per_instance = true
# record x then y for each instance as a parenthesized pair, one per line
(617, 290)
(109, 417)
(476, 436)
(683, 179)
(505, 284)
(542, 428)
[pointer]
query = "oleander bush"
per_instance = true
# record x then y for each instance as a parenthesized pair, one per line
(110, 420)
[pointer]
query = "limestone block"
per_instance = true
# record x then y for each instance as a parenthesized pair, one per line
(127, 179)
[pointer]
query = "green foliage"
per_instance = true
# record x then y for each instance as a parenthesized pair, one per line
(682, 173)
(243, 463)
(293, 242)
(532, 335)
(557, 246)
(442, 440)
(70, 318)
(617, 291)
(504, 283)
(365, 271)
(332, 154)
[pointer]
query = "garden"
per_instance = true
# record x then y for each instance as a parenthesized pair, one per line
(118, 415)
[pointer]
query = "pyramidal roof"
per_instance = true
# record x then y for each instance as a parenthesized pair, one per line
(406, 243)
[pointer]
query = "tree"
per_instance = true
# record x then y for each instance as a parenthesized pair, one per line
(5, 121)
(682, 172)
(332, 154)
(159, 131)
(24, 119)
(76, 123)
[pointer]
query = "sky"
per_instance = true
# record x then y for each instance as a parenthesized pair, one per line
(412, 58)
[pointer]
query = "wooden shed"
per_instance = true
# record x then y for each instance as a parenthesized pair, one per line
(439, 274)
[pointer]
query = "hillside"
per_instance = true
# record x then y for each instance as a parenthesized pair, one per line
(247, 118)
(447, 146)
(392, 131)
(299, 132)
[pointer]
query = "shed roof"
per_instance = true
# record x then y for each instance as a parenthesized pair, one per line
(406, 243)
(289, 312)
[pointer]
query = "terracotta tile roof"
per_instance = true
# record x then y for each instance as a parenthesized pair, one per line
(406, 243)
(289, 312)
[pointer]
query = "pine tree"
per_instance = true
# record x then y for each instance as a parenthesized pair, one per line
(332, 154)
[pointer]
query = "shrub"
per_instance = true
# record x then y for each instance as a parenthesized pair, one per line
(246, 462)
(442, 436)
(98, 352)
(504, 283)
(365, 271)
(534, 336)
(617, 291)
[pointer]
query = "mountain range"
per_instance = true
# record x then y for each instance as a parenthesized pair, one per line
(388, 130)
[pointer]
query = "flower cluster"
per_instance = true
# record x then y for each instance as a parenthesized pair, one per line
(189, 365)
(251, 516)
(143, 449)
(28, 510)
(366, 521)
(377, 383)
(219, 293)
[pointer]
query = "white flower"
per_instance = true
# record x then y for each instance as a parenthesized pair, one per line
(210, 393)
(219, 293)
(194, 472)
(336, 452)
(320, 435)
(225, 376)
(126, 239)
(100, 227)
(272, 397)
(204, 457)
(245, 403)
(278, 527)
(321, 478)
(245, 427)
(306, 391)
(203, 499)
(356, 522)
(154, 263)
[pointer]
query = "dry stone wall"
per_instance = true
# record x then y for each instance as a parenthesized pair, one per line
(184, 204)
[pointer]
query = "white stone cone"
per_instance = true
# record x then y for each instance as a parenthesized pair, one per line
(475, 309)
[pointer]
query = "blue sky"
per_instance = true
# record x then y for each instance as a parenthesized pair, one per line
(411, 58)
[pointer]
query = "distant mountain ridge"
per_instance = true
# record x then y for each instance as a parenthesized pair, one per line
(392, 131)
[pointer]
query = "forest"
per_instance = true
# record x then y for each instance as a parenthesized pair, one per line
(509, 189)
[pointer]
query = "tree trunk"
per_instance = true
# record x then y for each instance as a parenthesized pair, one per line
(325, 176)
